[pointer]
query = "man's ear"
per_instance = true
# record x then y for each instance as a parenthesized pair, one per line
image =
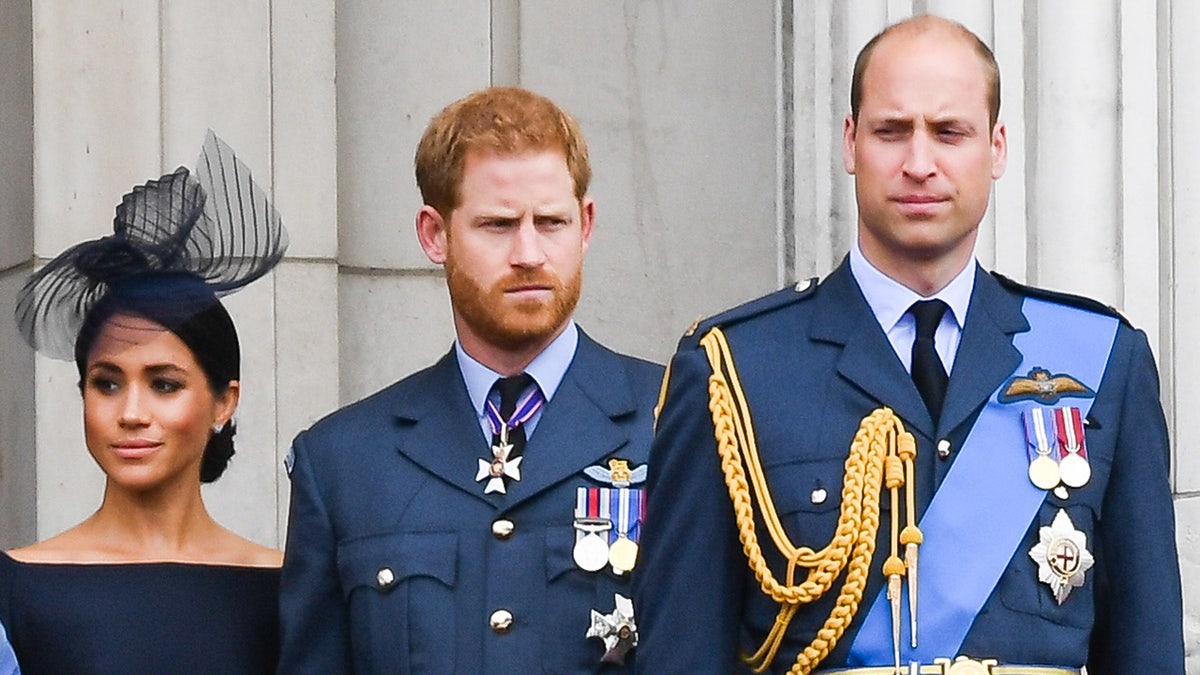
(848, 129)
(999, 150)
(431, 232)
(587, 218)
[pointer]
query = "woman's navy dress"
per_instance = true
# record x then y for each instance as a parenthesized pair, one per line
(140, 618)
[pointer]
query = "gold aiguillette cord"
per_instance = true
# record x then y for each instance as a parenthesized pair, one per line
(881, 436)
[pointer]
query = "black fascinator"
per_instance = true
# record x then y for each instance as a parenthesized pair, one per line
(184, 239)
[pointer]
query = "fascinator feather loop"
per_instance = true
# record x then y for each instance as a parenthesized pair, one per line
(184, 239)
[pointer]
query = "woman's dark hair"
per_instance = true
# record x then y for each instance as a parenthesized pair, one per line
(185, 306)
(178, 243)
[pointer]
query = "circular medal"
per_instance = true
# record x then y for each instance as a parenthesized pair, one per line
(1043, 472)
(623, 554)
(1076, 471)
(591, 552)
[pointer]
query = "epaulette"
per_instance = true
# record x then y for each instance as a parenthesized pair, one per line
(1061, 298)
(785, 296)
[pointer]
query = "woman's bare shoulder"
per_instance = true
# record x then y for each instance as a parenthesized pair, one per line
(71, 546)
(237, 550)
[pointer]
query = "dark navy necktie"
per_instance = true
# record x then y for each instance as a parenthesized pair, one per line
(510, 390)
(927, 371)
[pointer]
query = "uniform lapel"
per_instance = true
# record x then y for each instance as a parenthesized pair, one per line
(868, 361)
(578, 427)
(440, 432)
(986, 355)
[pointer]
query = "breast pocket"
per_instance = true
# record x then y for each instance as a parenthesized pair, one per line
(571, 595)
(1021, 590)
(399, 588)
(808, 496)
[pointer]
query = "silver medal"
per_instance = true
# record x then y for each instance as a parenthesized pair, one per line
(591, 552)
(1075, 470)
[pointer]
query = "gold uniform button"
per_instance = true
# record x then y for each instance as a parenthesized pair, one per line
(384, 578)
(502, 528)
(501, 620)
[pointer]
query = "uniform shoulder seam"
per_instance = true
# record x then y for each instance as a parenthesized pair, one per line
(783, 297)
(1069, 299)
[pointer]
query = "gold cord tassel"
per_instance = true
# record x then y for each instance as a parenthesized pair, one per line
(894, 569)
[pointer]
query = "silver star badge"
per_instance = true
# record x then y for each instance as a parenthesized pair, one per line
(617, 629)
(1062, 557)
(499, 468)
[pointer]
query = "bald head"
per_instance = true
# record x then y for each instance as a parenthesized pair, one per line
(931, 26)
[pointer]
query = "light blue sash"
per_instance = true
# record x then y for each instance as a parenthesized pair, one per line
(8, 660)
(961, 561)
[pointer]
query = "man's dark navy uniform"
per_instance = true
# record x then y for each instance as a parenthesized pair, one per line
(435, 527)
(1040, 534)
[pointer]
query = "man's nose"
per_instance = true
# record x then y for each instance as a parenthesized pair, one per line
(919, 164)
(527, 249)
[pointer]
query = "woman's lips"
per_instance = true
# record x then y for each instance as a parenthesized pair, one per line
(135, 449)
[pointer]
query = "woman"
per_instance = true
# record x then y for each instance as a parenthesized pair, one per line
(150, 583)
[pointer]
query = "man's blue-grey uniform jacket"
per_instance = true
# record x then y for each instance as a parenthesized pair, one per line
(388, 483)
(813, 362)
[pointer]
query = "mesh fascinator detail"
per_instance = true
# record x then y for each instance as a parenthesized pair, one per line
(186, 238)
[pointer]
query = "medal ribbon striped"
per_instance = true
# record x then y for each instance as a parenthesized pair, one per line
(1040, 442)
(625, 513)
(591, 504)
(527, 407)
(637, 513)
(581, 502)
(1069, 424)
(988, 483)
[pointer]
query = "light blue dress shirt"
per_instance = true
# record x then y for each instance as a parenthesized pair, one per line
(547, 369)
(889, 301)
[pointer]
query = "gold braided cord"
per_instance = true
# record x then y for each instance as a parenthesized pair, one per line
(853, 544)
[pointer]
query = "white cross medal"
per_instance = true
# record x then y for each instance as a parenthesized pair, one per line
(500, 467)
(1061, 555)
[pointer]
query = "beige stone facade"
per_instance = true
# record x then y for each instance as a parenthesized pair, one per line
(714, 128)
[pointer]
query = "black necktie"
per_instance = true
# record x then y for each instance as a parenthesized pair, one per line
(510, 390)
(927, 371)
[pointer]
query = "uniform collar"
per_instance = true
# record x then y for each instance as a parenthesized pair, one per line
(547, 368)
(889, 299)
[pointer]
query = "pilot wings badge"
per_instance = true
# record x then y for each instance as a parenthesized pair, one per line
(1043, 387)
(618, 474)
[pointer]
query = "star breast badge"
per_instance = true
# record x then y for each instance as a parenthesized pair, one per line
(1062, 557)
(617, 630)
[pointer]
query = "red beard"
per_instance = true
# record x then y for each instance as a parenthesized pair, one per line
(507, 323)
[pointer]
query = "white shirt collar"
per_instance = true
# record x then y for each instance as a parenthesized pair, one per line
(547, 368)
(889, 299)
